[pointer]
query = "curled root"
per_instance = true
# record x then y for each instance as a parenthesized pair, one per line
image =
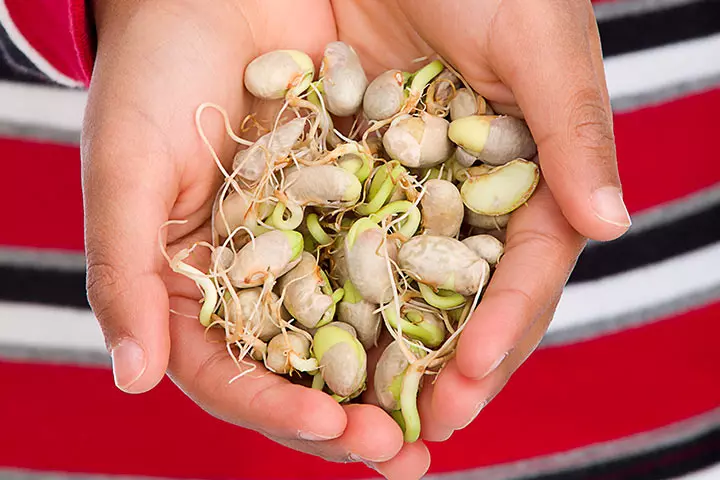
(203, 281)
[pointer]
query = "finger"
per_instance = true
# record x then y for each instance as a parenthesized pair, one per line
(457, 400)
(556, 85)
(202, 367)
(370, 436)
(433, 429)
(123, 215)
(540, 252)
(411, 463)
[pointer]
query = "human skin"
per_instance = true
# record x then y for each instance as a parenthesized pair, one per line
(143, 164)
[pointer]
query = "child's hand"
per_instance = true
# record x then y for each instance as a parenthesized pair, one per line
(541, 58)
(144, 163)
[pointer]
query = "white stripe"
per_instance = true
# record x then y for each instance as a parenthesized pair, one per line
(710, 473)
(42, 108)
(39, 327)
(677, 67)
(636, 290)
(647, 71)
(33, 55)
(33, 327)
(57, 260)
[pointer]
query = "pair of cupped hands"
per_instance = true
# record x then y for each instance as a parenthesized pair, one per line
(144, 163)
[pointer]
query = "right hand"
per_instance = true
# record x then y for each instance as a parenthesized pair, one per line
(144, 163)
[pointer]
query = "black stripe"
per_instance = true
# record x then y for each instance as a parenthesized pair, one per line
(15, 66)
(664, 463)
(649, 246)
(661, 27)
(54, 287)
(41, 286)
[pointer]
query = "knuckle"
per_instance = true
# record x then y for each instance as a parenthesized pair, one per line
(553, 253)
(555, 250)
(590, 123)
(520, 298)
(204, 385)
(205, 379)
(102, 278)
(104, 284)
(551, 245)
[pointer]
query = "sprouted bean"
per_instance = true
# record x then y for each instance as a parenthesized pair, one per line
(324, 240)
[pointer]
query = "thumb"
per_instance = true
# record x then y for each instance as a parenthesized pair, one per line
(558, 81)
(125, 288)
(127, 192)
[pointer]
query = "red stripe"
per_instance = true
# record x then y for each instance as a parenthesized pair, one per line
(46, 25)
(41, 196)
(597, 391)
(665, 152)
(83, 34)
(656, 147)
(72, 419)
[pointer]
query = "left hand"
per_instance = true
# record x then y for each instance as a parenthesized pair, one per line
(541, 60)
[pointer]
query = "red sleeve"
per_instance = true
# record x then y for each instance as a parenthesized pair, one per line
(57, 35)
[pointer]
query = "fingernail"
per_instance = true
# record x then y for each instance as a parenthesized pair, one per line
(314, 437)
(494, 366)
(608, 204)
(477, 411)
(354, 457)
(129, 364)
(357, 458)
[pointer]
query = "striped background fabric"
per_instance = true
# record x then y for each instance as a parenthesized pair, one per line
(626, 384)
